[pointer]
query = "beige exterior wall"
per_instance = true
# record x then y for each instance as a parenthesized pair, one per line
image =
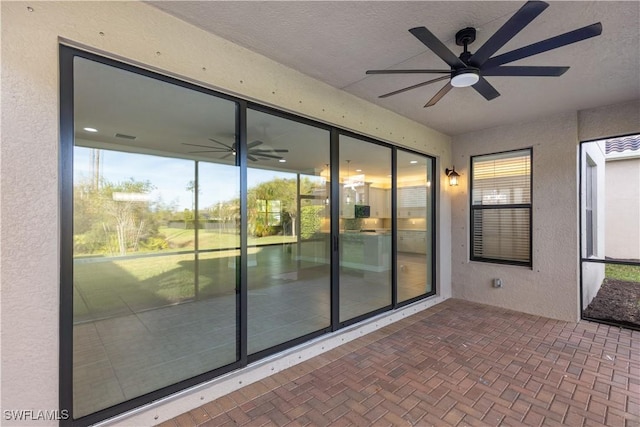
(551, 288)
(608, 121)
(623, 208)
(142, 35)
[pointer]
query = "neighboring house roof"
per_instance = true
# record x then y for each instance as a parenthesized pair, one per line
(619, 145)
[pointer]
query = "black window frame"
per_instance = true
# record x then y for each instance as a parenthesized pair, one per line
(479, 208)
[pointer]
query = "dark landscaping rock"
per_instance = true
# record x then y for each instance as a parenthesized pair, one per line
(617, 301)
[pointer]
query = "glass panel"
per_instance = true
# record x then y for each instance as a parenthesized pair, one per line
(218, 231)
(414, 213)
(365, 227)
(154, 277)
(288, 265)
(502, 234)
(501, 179)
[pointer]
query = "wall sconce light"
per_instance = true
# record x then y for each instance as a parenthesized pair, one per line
(453, 176)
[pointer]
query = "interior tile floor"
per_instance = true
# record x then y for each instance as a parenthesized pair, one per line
(458, 363)
(140, 350)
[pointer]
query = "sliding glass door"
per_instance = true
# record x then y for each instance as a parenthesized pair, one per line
(155, 235)
(288, 272)
(414, 238)
(201, 232)
(365, 227)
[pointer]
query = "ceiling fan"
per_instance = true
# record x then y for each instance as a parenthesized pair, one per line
(470, 69)
(254, 154)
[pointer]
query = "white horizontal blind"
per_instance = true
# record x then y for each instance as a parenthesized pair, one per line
(502, 179)
(501, 207)
(501, 234)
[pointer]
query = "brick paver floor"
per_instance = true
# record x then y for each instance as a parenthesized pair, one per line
(458, 363)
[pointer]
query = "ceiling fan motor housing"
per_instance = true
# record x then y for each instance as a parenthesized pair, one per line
(466, 36)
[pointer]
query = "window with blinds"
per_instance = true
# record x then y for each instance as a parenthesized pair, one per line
(501, 207)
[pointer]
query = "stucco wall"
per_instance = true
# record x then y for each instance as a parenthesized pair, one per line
(610, 120)
(550, 287)
(142, 35)
(623, 209)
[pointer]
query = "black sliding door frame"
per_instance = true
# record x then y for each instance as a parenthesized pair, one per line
(394, 227)
(243, 124)
(66, 69)
(243, 291)
(67, 55)
(65, 382)
(335, 229)
(336, 160)
(433, 201)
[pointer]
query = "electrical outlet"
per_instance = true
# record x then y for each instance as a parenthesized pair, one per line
(497, 283)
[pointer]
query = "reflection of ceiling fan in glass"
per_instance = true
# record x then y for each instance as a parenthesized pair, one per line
(254, 154)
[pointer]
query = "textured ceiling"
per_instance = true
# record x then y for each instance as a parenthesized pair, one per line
(336, 42)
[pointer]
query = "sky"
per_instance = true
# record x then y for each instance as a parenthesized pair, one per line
(171, 176)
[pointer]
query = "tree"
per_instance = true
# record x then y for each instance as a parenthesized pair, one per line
(283, 190)
(311, 220)
(191, 186)
(114, 217)
(163, 211)
(129, 209)
(258, 203)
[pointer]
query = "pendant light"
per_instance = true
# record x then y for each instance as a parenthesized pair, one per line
(326, 200)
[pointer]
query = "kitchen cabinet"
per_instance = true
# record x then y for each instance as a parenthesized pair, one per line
(414, 212)
(412, 241)
(365, 251)
(412, 202)
(380, 202)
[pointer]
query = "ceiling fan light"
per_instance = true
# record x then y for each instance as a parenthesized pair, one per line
(465, 78)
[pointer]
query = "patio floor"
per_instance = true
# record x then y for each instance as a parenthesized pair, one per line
(457, 363)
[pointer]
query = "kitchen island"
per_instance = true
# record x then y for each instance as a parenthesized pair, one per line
(369, 251)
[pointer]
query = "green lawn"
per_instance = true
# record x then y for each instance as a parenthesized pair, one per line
(117, 286)
(627, 273)
(214, 239)
(122, 286)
